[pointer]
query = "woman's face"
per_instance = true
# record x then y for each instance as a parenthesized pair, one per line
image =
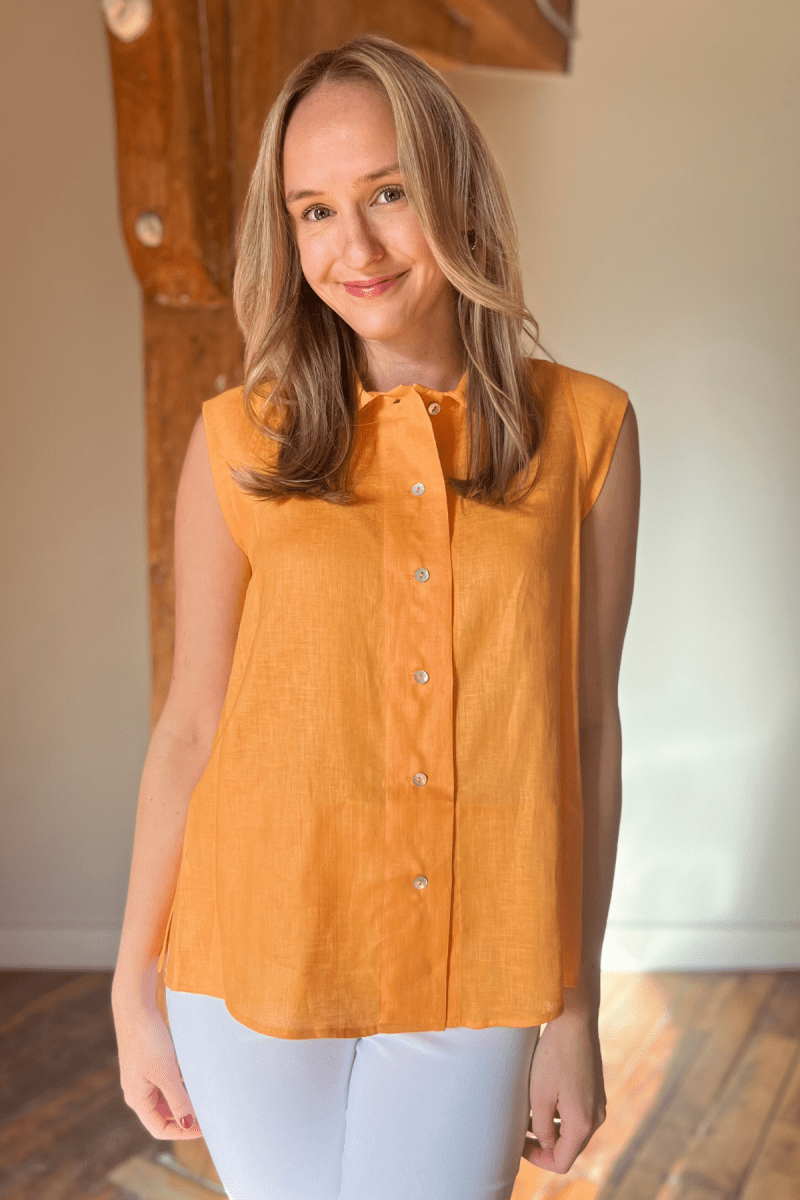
(356, 228)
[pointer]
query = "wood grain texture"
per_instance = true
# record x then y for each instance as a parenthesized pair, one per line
(776, 1170)
(172, 129)
(63, 1120)
(149, 1180)
(729, 1145)
(189, 357)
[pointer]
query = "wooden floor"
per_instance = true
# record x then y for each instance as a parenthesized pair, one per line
(702, 1075)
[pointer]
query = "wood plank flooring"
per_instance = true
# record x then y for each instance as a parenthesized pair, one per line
(702, 1075)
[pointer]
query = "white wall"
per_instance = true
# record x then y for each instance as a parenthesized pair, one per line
(656, 190)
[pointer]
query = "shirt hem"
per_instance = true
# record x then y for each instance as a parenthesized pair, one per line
(356, 1031)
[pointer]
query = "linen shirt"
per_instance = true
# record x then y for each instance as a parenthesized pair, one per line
(388, 834)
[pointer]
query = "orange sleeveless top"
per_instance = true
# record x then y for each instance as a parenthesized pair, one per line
(388, 834)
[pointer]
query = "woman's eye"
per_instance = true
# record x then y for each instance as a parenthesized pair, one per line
(391, 187)
(315, 208)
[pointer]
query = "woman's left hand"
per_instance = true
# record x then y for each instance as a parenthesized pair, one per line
(567, 1077)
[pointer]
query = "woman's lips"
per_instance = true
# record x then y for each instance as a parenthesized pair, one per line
(377, 289)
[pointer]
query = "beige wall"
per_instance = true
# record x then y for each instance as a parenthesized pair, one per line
(75, 685)
(656, 190)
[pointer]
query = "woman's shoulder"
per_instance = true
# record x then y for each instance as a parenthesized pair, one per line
(234, 420)
(231, 402)
(595, 404)
(596, 409)
(582, 384)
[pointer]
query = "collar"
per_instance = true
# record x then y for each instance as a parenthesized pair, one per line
(404, 389)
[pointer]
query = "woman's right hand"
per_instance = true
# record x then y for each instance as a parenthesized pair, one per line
(149, 1073)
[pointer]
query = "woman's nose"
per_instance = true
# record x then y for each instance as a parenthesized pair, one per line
(360, 245)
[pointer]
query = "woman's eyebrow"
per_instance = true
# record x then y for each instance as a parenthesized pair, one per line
(390, 170)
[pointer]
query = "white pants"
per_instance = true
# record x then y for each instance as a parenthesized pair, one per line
(438, 1115)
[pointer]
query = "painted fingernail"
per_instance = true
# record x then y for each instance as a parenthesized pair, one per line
(187, 1120)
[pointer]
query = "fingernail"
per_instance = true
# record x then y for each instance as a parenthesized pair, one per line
(187, 1120)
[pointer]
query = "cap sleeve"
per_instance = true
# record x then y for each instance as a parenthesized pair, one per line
(231, 441)
(598, 409)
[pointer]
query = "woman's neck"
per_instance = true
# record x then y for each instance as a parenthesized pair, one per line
(438, 375)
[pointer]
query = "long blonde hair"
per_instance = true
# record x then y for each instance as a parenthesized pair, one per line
(308, 356)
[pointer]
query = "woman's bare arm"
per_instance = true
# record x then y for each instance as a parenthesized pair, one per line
(211, 577)
(608, 558)
(567, 1068)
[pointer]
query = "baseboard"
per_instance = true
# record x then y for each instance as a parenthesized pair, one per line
(711, 946)
(60, 947)
(628, 946)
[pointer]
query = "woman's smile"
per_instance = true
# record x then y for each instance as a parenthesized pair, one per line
(367, 291)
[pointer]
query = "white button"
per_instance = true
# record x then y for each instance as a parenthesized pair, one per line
(421, 882)
(421, 676)
(433, 408)
(420, 779)
(421, 574)
(418, 489)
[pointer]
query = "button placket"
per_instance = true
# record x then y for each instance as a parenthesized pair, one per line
(421, 574)
(421, 676)
(419, 725)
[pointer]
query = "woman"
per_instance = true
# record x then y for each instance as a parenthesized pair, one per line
(404, 566)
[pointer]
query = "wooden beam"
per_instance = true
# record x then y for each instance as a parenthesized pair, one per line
(513, 33)
(171, 95)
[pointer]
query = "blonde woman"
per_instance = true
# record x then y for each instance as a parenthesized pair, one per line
(378, 819)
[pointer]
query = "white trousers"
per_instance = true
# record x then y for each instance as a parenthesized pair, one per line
(438, 1115)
